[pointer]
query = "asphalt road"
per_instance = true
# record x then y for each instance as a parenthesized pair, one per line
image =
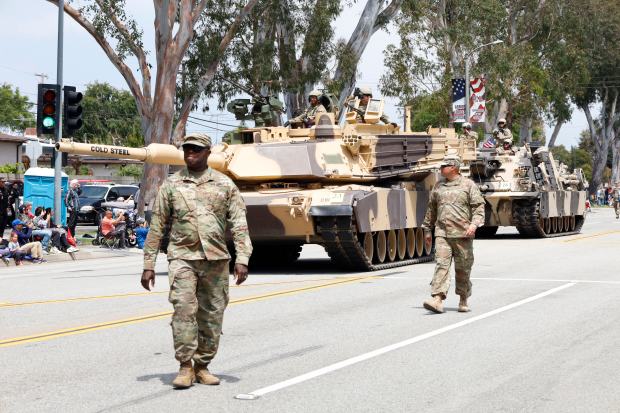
(542, 336)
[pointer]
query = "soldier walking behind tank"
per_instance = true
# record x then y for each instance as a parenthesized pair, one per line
(309, 115)
(503, 135)
(455, 210)
(468, 133)
(198, 203)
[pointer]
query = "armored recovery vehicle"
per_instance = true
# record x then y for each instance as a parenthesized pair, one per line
(525, 187)
(360, 190)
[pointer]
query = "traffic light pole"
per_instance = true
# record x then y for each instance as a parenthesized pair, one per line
(58, 134)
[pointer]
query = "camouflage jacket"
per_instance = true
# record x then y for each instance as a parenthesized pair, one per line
(310, 113)
(469, 135)
(453, 206)
(502, 135)
(197, 208)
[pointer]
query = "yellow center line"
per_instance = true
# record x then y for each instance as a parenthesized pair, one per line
(156, 316)
(600, 234)
(124, 295)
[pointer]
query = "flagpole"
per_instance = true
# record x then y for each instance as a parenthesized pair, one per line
(467, 86)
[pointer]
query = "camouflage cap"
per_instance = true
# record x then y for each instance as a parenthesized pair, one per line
(451, 160)
(198, 139)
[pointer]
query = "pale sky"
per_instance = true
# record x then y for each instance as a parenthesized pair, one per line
(28, 46)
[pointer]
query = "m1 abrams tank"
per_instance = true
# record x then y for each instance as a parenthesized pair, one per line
(360, 190)
(525, 187)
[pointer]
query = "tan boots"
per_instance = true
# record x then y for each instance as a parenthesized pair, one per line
(186, 376)
(463, 307)
(435, 304)
(204, 376)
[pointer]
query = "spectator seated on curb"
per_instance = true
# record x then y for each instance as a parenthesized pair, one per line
(114, 228)
(141, 232)
(19, 252)
(60, 236)
(28, 219)
(5, 253)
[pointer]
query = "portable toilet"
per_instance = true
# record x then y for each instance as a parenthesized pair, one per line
(39, 189)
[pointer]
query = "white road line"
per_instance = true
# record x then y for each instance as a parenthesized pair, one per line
(546, 280)
(383, 350)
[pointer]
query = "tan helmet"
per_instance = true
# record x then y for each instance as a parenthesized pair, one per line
(315, 93)
(466, 125)
(501, 120)
(364, 90)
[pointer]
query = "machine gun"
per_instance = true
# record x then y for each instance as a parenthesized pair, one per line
(265, 111)
(356, 110)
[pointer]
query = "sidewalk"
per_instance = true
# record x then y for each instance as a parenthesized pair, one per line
(85, 253)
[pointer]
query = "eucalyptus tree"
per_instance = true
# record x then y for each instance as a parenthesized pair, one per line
(177, 25)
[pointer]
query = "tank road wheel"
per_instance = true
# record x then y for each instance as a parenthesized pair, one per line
(567, 227)
(419, 242)
(560, 224)
(411, 239)
(368, 243)
(547, 227)
(381, 248)
(554, 224)
(402, 244)
(572, 221)
(392, 245)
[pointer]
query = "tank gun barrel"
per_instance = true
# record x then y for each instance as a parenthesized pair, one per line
(156, 153)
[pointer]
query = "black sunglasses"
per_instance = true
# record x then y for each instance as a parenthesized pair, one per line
(194, 148)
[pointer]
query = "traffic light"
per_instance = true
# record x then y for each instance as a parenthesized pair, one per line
(72, 110)
(48, 103)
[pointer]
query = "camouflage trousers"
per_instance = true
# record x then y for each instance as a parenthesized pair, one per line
(462, 250)
(199, 294)
(617, 208)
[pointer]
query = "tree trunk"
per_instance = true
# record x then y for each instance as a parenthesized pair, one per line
(556, 132)
(615, 166)
(525, 130)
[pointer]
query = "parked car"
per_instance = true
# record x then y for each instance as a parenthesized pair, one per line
(93, 195)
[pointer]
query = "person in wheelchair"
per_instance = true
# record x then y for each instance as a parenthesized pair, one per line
(113, 229)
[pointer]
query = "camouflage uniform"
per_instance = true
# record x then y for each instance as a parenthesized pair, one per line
(502, 136)
(469, 135)
(309, 114)
(616, 196)
(358, 117)
(452, 208)
(197, 207)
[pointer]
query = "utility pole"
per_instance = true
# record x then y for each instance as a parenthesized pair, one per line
(58, 134)
(41, 76)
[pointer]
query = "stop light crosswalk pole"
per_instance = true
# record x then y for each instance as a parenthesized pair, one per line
(58, 131)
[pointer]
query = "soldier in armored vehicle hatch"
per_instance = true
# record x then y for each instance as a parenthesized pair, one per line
(308, 116)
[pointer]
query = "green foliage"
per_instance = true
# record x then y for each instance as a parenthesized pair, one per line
(429, 110)
(110, 117)
(133, 170)
(83, 170)
(12, 168)
(14, 109)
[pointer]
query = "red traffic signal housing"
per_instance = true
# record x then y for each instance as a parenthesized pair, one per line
(48, 102)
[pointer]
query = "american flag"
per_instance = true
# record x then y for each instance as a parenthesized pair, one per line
(458, 89)
(489, 143)
(477, 102)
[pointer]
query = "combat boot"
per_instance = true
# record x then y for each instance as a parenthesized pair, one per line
(204, 376)
(435, 304)
(186, 376)
(463, 307)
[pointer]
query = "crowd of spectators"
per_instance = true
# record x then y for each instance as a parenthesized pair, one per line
(34, 235)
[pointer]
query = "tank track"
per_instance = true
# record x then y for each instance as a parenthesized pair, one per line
(526, 216)
(340, 239)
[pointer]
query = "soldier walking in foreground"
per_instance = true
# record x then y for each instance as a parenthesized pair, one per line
(616, 199)
(455, 210)
(198, 204)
